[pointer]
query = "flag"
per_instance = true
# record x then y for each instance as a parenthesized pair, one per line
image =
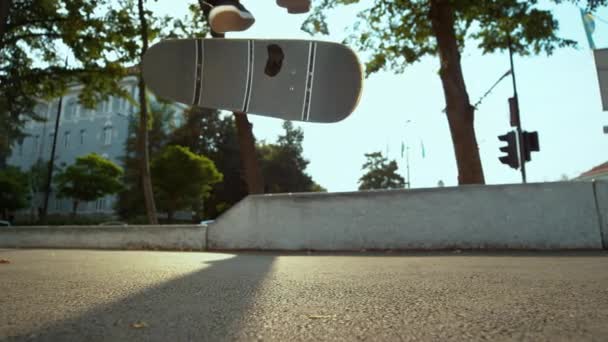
(422, 148)
(402, 149)
(589, 25)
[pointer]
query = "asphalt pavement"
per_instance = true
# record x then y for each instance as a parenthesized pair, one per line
(74, 295)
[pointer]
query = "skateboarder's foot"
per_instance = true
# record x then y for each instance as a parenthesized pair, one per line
(295, 6)
(229, 16)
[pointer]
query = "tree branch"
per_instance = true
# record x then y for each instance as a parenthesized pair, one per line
(12, 26)
(17, 38)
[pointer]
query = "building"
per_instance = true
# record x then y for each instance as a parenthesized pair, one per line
(103, 130)
(599, 172)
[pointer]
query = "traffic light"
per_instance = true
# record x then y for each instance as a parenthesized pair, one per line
(514, 111)
(511, 158)
(530, 144)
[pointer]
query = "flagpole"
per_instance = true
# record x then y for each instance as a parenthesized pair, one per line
(407, 157)
(407, 165)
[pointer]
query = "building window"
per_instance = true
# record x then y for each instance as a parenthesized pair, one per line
(116, 104)
(134, 94)
(101, 107)
(58, 204)
(52, 117)
(83, 134)
(71, 109)
(100, 204)
(66, 139)
(107, 135)
(85, 112)
(41, 110)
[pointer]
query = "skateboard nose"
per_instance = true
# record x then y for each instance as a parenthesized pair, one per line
(170, 69)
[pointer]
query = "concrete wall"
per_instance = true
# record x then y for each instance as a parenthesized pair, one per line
(532, 216)
(601, 192)
(572, 215)
(99, 237)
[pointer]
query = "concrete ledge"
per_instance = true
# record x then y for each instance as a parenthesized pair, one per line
(168, 237)
(534, 216)
(601, 193)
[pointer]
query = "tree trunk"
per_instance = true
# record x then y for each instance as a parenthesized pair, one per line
(5, 6)
(142, 139)
(460, 113)
(74, 208)
(170, 214)
(249, 159)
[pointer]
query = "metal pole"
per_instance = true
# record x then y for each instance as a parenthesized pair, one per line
(52, 160)
(407, 165)
(522, 160)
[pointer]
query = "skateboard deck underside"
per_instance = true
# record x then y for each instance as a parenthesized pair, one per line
(289, 79)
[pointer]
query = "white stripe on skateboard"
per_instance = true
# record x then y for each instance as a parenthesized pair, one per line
(307, 80)
(312, 51)
(202, 70)
(252, 71)
(250, 60)
(195, 70)
(312, 78)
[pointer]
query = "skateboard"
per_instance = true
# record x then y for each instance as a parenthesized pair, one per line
(299, 80)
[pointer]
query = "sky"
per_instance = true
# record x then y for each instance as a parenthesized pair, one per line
(559, 97)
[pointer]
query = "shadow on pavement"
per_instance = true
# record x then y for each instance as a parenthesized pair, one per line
(207, 305)
(436, 253)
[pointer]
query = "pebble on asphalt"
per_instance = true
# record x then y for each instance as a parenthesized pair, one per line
(139, 325)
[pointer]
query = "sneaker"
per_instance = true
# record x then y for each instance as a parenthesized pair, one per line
(229, 16)
(295, 6)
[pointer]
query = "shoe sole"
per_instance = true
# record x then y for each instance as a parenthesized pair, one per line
(224, 20)
(294, 6)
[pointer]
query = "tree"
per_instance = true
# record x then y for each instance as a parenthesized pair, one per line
(14, 194)
(38, 175)
(249, 160)
(38, 179)
(283, 165)
(250, 163)
(399, 33)
(149, 28)
(36, 36)
(89, 178)
(317, 188)
(161, 117)
(182, 179)
(205, 132)
(142, 133)
(380, 174)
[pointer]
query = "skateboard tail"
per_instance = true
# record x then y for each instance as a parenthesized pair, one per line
(171, 69)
